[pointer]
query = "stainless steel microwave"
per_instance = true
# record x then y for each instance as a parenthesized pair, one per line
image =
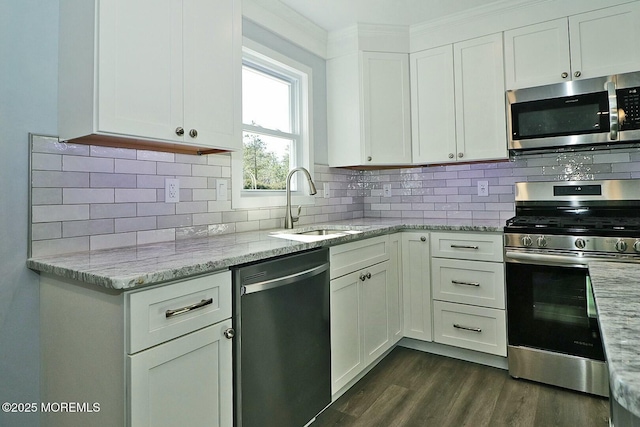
(603, 110)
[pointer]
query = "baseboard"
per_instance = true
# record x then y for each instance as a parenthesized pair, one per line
(456, 353)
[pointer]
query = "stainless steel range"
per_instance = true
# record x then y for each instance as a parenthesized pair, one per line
(552, 321)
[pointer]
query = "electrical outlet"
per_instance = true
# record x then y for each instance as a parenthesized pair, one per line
(325, 190)
(483, 188)
(386, 190)
(171, 190)
(221, 189)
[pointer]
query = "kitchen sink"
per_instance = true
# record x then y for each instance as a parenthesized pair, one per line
(322, 232)
(315, 234)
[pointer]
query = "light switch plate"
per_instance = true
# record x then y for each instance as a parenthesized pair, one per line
(386, 190)
(221, 189)
(483, 188)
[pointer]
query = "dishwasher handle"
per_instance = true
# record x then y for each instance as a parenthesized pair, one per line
(283, 281)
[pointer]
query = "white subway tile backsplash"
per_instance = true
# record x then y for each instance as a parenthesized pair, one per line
(42, 161)
(123, 225)
(155, 236)
(72, 196)
(110, 241)
(59, 246)
(174, 221)
(54, 179)
(139, 167)
(87, 164)
(112, 180)
(87, 228)
(191, 207)
(158, 208)
(113, 210)
(207, 218)
(112, 152)
(46, 230)
(46, 196)
(123, 195)
(52, 213)
(178, 169)
(158, 156)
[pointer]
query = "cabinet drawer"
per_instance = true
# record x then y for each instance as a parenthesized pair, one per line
(475, 247)
(468, 282)
(353, 256)
(470, 327)
(163, 313)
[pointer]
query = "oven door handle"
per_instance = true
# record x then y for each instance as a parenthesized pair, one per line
(546, 259)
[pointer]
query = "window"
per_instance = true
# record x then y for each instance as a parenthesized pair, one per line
(275, 128)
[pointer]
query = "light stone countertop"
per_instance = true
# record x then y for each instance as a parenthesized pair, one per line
(131, 267)
(616, 287)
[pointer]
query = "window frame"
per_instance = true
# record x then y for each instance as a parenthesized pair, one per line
(270, 61)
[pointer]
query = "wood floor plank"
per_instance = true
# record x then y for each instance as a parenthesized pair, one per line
(410, 388)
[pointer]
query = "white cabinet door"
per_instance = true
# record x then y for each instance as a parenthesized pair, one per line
(416, 285)
(361, 321)
(368, 117)
(140, 68)
(157, 73)
(605, 41)
(480, 100)
(347, 358)
(537, 54)
(376, 290)
(212, 73)
(433, 110)
(386, 106)
(186, 381)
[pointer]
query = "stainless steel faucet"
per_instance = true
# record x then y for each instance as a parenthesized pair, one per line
(289, 219)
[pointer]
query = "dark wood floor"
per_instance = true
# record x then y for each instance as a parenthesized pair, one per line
(412, 388)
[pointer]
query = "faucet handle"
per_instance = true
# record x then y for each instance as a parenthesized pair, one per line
(296, 218)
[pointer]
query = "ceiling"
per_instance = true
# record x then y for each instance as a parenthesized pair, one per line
(338, 14)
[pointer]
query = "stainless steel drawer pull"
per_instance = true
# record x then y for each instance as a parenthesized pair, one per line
(458, 282)
(467, 328)
(465, 247)
(177, 311)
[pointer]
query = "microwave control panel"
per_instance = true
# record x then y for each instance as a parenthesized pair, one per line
(629, 102)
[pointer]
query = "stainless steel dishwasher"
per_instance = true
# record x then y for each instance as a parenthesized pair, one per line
(282, 353)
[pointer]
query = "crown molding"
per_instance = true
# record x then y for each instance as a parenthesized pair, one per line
(368, 37)
(287, 23)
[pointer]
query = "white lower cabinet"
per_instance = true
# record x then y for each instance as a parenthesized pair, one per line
(186, 381)
(467, 277)
(150, 357)
(416, 286)
(365, 309)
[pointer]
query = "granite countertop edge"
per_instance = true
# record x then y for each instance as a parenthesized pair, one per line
(144, 265)
(616, 287)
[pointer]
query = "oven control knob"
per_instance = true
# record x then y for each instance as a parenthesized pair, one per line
(580, 243)
(541, 241)
(621, 245)
(636, 246)
(527, 241)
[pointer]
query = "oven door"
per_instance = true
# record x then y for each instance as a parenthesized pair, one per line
(551, 307)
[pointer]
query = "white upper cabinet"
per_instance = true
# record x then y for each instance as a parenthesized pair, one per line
(164, 73)
(433, 108)
(481, 126)
(458, 103)
(592, 44)
(368, 100)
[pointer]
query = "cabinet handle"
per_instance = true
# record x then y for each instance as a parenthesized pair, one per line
(423, 239)
(229, 333)
(613, 109)
(564, 75)
(451, 156)
(458, 282)
(193, 133)
(179, 131)
(362, 277)
(577, 74)
(467, 328)
(369, 158)
(177, 311)
(464, 247)
(368, 275)
(460, 155)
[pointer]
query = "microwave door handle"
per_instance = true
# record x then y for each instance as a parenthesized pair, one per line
(613, 110)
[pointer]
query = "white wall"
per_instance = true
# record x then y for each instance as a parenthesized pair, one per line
(28, 91)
